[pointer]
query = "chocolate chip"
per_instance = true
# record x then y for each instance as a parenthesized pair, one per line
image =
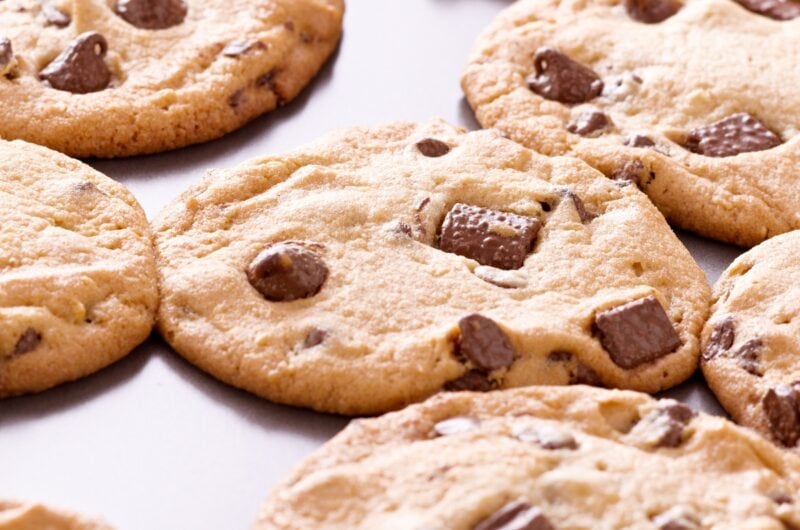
(583, 375)
(472, 381)
(55, 16)
(636, 333)
(287, 271)
(588, 122)
(151, 14)
(559, 78)
(777, 9)
(405, 228)
(490, 237)
(547, 437)
(315, 337)
(236, 99)
(677, 519)
(739, 133)
(721, 340)
(80, 68)
(630, 172)
(639, 140)
(782, 409)
(781, 498)
(668, 424)
(652, 11)
(484, 343)
(456, 425)
(27, 342)
(289, 25)
(747, 355)
(433, 148)
(242, 47)
(585, 215)
(516, 515)
(6, 54)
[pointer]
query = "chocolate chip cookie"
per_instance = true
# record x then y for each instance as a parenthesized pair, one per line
(123, 77)
(77, 270)
(751, 343)
(16, 515)
(690, 100)
(542, 458)
(379, 266)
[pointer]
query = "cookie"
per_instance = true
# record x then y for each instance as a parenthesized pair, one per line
(16, 515)
(123, 77)
(751, 343)
(541, 458)
(77, 270)
(378, 266)
(691, 100)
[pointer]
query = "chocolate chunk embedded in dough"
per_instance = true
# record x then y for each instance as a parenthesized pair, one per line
(721, 340)
(588, 123)
(472, 381)
(636, 333)
(671, 422)
(27, 342)
(652, 11)
(80, 68)
(55, 16)
(484, 343)
(782, 409)
(6, 54)
(739, 133)
(432, 147)
(287, 271)
(777, 9)
(639, 140)
(516, 515)
(559, 78)
(151, 14)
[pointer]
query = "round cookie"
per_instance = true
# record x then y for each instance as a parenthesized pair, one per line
(378, 266)
(671, 95)
(751, 342)
(123, 77)
(16, 515)
(77, 270)
(541, 458)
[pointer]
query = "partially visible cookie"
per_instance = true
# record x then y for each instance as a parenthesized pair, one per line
(751, 343)
(543, 458)
(123, 77)
(77, 271)
(691, 100)
(16, 515)
(378, 266)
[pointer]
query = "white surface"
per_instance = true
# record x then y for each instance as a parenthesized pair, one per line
(152, 443)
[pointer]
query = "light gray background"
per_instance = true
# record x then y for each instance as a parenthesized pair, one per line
(152, 443)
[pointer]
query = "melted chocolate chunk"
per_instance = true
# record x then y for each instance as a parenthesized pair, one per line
(287, 271)
(497, 239)
(630, 172)
(80, 68)
(670, 422)
(516, 515)
(151, 14)
(585, 215)
(472, 381)
(589, 122)
(27, 342)
(639, 140)
(547, 437)
(782, 409)
(652, 11)
(242, 47)
(456, 425)
(433, 148)
(315, 337)
(55, 16)
(559, 78)
(484, 343)
(721, 339)
(777, 9)
(739, 133)
(636, 333)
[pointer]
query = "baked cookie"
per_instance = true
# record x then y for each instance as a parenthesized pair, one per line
(668, 94)
(33, 516)
(541, 458)
(77, 270)
(378, 266)
(751, 342)
(123, 77)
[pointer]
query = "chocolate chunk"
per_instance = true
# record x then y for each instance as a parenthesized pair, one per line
(151, 14)
(588, 122)
(287, 271)
(636, 333)
(484, 343)
(27, 342)
(55, 16)
(721, 339)
(547, 437)
(236, 99)
(782, 409)
(630, 172)
(433, 148)
(561, 79)
(584, 214)
(583, 375)
(639, 140)
(739, 133)
(747, 354)
(242, 47)
(559, 356)
(6, 54)
(315, 337)
(80, 68)
(777, 9)
(472, 381)
(677, 519)
(490, 237)
(781, 498)
(669, 423)
(652, 11)
(456, 425)
(516, 515)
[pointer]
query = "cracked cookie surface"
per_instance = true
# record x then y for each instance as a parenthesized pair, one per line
(378, 266)
(695, 92)
(15, 515)
(77, 270)
(122, 77)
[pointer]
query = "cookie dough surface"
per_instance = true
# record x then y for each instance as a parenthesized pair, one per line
(77, 270)
(670, 97)
(542, 458)
(16, 515)
(751, 342)
(478, 265)
(162, 74)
